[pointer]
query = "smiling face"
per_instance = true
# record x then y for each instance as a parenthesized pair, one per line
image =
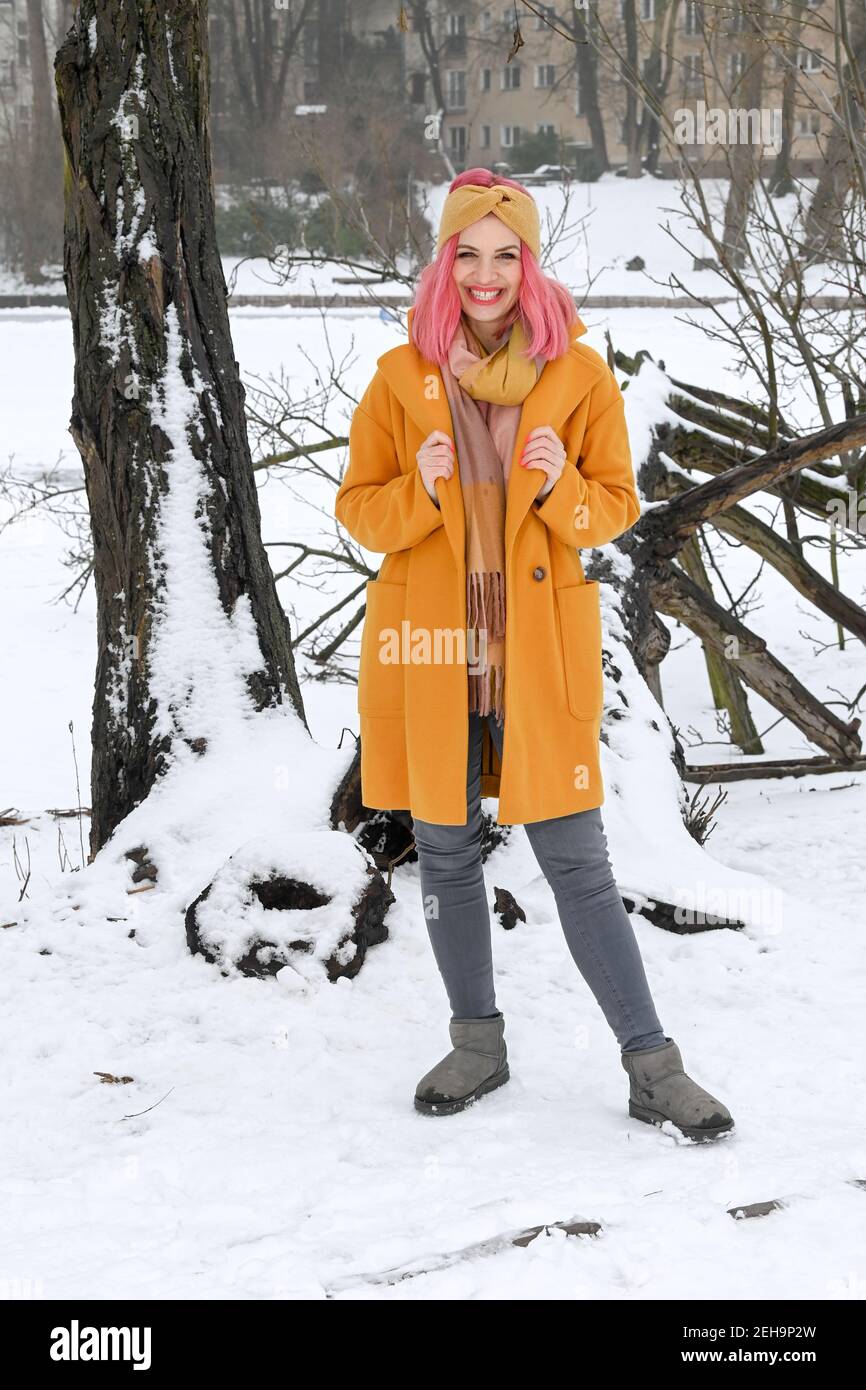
(487, 272)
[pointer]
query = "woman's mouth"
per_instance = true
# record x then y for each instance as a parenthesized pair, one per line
(480, 296)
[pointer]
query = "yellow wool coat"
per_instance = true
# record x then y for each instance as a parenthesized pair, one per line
(413, 685)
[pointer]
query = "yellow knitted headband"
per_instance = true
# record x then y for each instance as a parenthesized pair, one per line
(473, 201)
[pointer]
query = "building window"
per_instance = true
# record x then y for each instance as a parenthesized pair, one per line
(485, 21)
(457, 89)
(511, 77)
(7, 72)
(457, 139)
(693, 17)
(736, 66)
(509, 136)
(809, 125)
(646, 9)
(808, 60)
(545, 75)
(417, 85)
(693, 72)
(485, 137)
(455, 37)
(545, 128)
(545, 13)
(485, 79)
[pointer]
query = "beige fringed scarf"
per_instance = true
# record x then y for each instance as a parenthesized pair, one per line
(485, 393)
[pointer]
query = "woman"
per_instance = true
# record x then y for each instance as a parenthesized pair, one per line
(484, 453)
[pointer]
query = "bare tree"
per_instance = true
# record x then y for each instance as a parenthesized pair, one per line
(742, 160)
(842, 169)
(157, 411)
(263, 43)
(31, 211)
(586, 63)
(782, 181)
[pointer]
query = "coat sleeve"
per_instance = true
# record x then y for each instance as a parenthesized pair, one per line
(385, 510)
(595, 498)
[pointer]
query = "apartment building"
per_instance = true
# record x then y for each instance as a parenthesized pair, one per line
(453, 56)
(492, 103)
(16, 88)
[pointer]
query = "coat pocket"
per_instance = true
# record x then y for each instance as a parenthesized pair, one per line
(579, 607)
(381, 670)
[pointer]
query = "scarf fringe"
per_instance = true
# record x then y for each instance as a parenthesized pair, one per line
(486, 603)
(486, 692)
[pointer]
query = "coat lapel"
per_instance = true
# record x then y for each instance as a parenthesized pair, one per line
(419, 387)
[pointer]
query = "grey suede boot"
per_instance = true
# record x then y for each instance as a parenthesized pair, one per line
(659, 1090)
(477, 1064)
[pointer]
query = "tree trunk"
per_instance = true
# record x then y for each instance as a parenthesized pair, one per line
(632, 125)
(586, 59)
(423, 22)
(333, 36)
(189, 623)
(824, 236)
(782, 181)
(727, 688)
(42, 151)
(743, 159)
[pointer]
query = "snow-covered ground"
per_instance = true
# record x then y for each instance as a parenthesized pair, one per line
(601, 227)
(267, 1146)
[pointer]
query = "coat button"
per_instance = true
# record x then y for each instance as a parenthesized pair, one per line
(538, 572)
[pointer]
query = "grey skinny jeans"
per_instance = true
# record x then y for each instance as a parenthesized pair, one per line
(572, 853)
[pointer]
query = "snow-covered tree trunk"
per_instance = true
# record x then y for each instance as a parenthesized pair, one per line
(189, 620)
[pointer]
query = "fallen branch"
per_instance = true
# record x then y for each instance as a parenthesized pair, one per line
(756, 770)
(667, 527)
(675, 594)
(429, 1264)
(778, 552)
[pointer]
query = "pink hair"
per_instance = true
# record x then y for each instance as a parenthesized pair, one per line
(545, 307)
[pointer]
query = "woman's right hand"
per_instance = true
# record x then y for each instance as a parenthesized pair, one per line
(435, 460)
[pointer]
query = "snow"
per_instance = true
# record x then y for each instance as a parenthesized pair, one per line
(603, 236)
(267, 1146)
(200, 656)
(231, 918)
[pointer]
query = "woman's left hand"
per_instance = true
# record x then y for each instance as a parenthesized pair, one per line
(545, 450)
